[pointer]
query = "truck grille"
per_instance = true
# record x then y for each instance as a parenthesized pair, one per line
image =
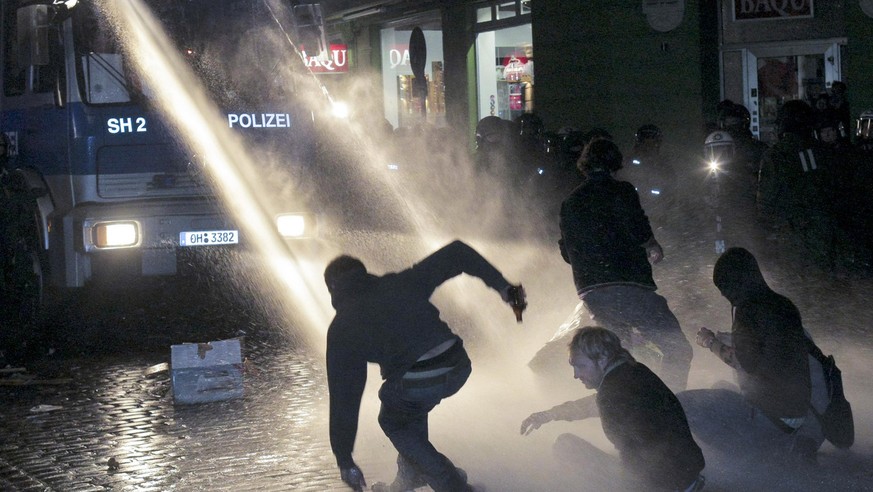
(147, 185)
(139, 171)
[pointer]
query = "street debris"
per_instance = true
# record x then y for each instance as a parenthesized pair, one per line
(157, 369)
(18, 376)
(45, 408)
(206, 372)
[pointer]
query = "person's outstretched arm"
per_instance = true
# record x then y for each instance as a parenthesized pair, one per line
(580, 409)
(454, 259)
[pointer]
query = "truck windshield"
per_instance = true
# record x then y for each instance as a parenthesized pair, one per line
(232, 46)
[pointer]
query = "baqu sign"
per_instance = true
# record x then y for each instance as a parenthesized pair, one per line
(771, 9)
(337, 63)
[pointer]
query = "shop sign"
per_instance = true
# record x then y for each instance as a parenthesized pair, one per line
(772, 9)
(338, 62)
(399, 56)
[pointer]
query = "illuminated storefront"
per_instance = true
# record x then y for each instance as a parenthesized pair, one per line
(504, 60)
(404, 105)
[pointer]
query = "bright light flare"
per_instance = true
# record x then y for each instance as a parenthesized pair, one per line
(291, 225)
(198, 120)
(340, 109)
(714, 166)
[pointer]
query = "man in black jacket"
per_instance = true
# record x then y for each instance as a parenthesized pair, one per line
(639, 414)
(770, 353)
(389, 320)
(607, 240)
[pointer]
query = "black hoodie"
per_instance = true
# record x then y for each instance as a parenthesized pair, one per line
(768, 338)
(390, 321)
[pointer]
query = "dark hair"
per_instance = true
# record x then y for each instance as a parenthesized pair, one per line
(338, 267)
(600, 154)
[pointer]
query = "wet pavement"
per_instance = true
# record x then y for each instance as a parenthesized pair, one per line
(92, 419)
(89, 417)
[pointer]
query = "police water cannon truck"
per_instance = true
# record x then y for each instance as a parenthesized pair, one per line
(95, 179)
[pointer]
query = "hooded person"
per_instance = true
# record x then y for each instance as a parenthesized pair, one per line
(769, 351)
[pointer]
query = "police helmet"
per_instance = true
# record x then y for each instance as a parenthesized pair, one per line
(719, 148)
(571, 141)
(864, 130)
(594, 134)
(825, 120)
(648, 132)
(530, 125)
(734, 117)
(489, 131)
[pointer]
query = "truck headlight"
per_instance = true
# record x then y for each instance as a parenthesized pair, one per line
(116, 234)
(294, 225)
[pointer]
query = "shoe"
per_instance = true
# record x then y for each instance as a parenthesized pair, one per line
(409, 484)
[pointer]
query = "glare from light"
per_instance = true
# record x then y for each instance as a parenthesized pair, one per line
(636, 162)
(340, 109)
(393, 167)
(116, 234)
(714, 165)
(198, 120)
(656, 192)
(291, 225)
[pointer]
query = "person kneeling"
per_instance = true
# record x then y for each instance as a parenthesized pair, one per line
(639, 414)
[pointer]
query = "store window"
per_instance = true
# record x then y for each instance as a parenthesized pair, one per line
(404, 105)
(505, 71)
(785, 78)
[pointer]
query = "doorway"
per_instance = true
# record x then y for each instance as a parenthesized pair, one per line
(776, 74)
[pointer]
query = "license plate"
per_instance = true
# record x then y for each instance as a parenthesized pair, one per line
(208, 238)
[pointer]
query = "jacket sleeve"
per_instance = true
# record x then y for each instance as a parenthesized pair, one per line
(748, 339)
(638, 222)
(454, 259)
(346, 378)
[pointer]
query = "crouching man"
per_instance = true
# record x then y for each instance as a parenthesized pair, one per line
(639, 414)
(389, 320)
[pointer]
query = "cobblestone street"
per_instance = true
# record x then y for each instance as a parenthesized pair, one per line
(106, 425)
(93, 420)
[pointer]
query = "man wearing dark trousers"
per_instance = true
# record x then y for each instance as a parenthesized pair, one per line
(389, 320)
(608, 241)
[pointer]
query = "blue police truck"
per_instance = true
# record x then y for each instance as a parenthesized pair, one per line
(95, 181)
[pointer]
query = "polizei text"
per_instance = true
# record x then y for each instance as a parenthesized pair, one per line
(259, 120)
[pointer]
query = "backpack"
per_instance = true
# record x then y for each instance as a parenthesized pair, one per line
(837, 422)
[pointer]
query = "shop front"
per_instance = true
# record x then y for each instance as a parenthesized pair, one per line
(405, 103)
(504, 59)
(773, 52)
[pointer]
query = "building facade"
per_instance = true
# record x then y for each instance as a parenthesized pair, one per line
(614, 64)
